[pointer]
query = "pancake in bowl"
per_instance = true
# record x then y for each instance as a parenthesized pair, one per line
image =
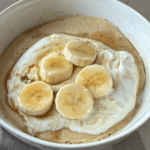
(73, 27)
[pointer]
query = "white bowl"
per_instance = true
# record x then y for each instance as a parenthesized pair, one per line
(26, 14)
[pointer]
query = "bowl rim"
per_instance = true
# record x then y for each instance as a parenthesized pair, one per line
(38, 141)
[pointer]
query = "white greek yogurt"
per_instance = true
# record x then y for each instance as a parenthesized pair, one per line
(107, 111)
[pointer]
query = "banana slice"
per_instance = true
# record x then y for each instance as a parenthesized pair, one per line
(74, 101)
(80, 53)
(96, 79)
(56, 69)
(36, 98)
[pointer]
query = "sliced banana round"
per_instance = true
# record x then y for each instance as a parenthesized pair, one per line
(96, 79)
(79, 53)
(56, 69)
(36, 98)
(74, 101)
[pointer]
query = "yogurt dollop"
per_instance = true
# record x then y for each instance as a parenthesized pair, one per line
(107, 110)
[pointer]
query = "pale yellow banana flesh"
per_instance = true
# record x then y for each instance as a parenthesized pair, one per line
(80, 53)
(36, 98)
(56, 69)
(96, 79)
(74, 101)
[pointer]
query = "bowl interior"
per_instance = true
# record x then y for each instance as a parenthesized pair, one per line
(27, 14)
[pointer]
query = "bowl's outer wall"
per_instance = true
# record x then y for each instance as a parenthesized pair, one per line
(24, 15)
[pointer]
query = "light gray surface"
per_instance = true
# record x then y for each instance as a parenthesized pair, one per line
(142, 6)
(137, 141)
